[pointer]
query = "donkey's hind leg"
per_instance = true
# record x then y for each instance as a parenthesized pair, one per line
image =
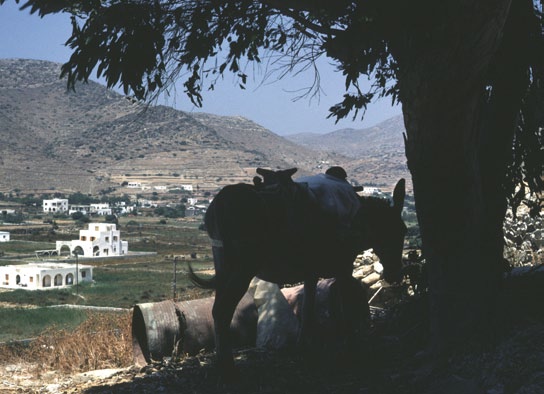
(227, 297)
(231, 287)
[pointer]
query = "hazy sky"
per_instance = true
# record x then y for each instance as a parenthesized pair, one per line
(271, 105)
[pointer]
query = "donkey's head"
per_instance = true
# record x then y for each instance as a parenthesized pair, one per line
(384, 230)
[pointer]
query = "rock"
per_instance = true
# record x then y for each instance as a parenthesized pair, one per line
(98, 374)
(378, 267)
(371, 279)
(53, 388)
(363, 271)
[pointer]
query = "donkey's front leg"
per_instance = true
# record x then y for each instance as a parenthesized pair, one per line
(307, 326)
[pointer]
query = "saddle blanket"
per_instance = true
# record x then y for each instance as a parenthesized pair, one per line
(335, 196)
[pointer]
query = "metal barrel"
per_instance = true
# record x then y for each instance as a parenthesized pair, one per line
(332, 310)
(155, 331)
(167, 328)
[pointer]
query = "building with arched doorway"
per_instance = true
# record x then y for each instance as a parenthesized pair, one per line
(40, 276)
(98, 240)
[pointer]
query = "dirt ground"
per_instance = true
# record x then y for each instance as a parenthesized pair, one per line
(391, 360)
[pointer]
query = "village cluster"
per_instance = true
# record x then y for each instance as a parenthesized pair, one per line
(97, 240)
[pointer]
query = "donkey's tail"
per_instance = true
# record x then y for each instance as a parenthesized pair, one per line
(201, 282)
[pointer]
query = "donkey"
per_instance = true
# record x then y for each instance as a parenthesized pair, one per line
(276, 231)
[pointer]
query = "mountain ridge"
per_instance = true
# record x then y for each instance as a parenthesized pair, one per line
(94, 139)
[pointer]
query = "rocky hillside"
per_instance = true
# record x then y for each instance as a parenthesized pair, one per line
(356, 143)
(93, 138)
(377, 152)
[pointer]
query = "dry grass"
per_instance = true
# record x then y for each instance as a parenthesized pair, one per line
(102, 341)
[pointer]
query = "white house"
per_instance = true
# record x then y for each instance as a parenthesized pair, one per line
(147, 203)
(84, 209)
(122, 208)
(36, 276)
(134, 185)
(100, 209)
(99, 240)
(187, 188)
(369, 190)
(4, 236)
(55, 205)
(192, 201)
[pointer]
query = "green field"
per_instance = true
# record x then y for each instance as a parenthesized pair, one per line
(118, 282)
(25, 323)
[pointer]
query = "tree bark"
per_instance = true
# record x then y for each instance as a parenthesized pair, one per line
(457, 158)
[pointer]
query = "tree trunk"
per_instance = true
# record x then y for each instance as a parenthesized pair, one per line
(457, 151)
(452, 217)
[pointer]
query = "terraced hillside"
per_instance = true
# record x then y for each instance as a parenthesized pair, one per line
(91, 139)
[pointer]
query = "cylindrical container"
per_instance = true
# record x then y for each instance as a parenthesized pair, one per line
(167, 328)
(335, 308)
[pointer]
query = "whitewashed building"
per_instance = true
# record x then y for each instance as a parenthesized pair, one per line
(187, 188)
(122, 208)
(100, 209)
(38, 276)
(4, 236)
(99, 240)
(371, 190)
(134, 185)
(55, 205)
(84, 209)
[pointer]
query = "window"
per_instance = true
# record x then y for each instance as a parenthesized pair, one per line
(83, 238)
(96, 228)
(93, 238)
(31, 279)
(83, 274)
(115, 238)
(107, 239)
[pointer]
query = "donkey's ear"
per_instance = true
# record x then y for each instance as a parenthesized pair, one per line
(291, 171)
(398, 194)
(264, 171)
